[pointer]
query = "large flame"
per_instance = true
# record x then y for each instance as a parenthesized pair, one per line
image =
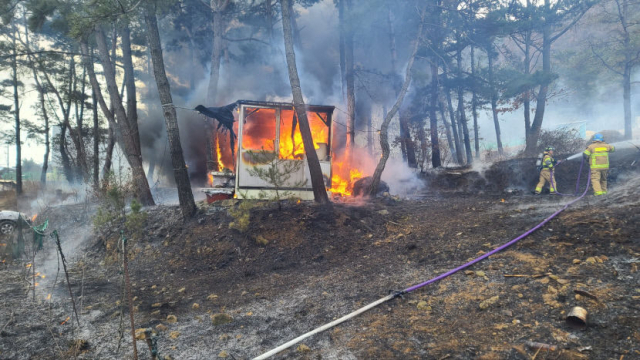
(259, 134)
(291, 145)
(344, 175)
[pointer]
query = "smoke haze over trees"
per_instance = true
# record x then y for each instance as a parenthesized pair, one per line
(77, 78)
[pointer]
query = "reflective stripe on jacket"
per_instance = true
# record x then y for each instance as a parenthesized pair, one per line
(548, 161)
(598, 154)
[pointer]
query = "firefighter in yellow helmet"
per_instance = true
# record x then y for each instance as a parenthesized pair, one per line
(597, 154)
(546, 171)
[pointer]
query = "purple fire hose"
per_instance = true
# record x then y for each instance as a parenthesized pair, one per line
(418, 286)
(502, 247)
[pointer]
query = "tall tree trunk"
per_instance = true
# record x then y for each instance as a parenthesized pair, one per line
(408, 143)
(47, 142)
(463, 118)
(218, 7)
(494, 100)
(297, 41)
(447, 128)
(350, 78)
(407, 146)
(108, 113)
(541, 100)
(433, 118)
(527, 72)
(452, 117)
(67, 167)
(317, 179)
(96, 142)
(384, 136)
(185, 195)
(45, 114)
(474, 105)
(16, 112)
(108, 156)
(81, 169)
(130, 85)
(341, 45)
(527, 92)
(424, 145)
(126, 133)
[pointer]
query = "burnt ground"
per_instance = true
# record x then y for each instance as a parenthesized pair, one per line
(295, 269)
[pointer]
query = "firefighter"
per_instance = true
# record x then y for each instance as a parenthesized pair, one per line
(546, 171)
(597, 153)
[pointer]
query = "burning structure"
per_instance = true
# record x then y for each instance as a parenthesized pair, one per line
(269, 156)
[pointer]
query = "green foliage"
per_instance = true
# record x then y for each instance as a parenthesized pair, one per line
(276, 172)
(241, 215)
(113, 207)
(135, 220)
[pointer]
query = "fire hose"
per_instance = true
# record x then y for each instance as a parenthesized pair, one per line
(396, 294)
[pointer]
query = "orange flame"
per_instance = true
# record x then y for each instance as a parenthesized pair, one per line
(219, 156)
(28, 265)
(34, 217)
(49, 297)
(344, 176)
(65, 320)
(2, 244)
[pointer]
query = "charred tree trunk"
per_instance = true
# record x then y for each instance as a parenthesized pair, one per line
(494, 99)
(474, 105)
(384, 136)
(317, 179)
(185, 195)
(126, 133)
(461, 111)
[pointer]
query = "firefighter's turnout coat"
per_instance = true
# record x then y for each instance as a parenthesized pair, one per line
(597, 154)
(546, 174)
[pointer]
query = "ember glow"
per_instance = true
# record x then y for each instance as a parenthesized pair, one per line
(49, 297)
(34, 217)
(65, 320)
